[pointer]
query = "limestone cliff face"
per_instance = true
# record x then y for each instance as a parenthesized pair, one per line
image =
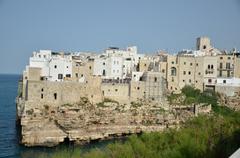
(46, 125)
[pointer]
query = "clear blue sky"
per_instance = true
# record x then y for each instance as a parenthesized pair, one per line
(93, 25)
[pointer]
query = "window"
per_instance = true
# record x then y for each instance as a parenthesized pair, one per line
(189, 72)
(90, 67)
(163, 71)
(190, 80)
(145, 64)
(221, 58)
(196, 64)
(172, 62)
(55, 66)
(103, 63)
(76, 74)
(134, 75)
(155, 79)
(183, 80)
(199, 73)
(224, 81)
(229, 58)
(41, 96)
(209, 80)
(138, 88)
(190, 64)
(81, 75)
(196, 81)
(116, 90)
(55, 96)
(184, 72)
(60, 76)
(211, 66)
(228, 73)
(172, 79)
(104, 72)
(184, 63)
(221, 65)
(173, 71)
(228, 65)
(204, 46)
(42, 89)
(67, 67)
(44, 56)
(68, 75)
(220, 73)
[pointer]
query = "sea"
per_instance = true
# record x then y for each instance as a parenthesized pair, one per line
(9, 131)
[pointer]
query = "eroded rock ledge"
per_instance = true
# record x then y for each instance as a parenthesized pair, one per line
(82, 122)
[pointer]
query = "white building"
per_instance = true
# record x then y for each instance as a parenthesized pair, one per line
(116, 64)
(54, 66)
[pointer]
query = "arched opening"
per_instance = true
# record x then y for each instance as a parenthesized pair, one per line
(173, 71)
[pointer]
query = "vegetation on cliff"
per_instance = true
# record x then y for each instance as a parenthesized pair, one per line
(216, 135)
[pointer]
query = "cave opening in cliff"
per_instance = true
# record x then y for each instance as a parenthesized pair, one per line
(67, 141)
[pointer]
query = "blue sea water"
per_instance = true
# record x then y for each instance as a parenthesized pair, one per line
(9, 137)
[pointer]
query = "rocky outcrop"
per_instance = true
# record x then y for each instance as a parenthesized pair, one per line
(232, 102)
(46, 125)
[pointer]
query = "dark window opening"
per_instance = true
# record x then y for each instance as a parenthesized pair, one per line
(116, 90)
(224, 81)
(68, 75)
(55, 66)
(104, 72)
(155, 79)
(42, 89)
(41, 96)
(90, 67)
(60, 76)
(204, 47)
(138, 88)
(55, 96)
(221, 65)
(173, 71)
(76, 74)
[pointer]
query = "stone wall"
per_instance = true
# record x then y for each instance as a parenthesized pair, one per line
(116, 91)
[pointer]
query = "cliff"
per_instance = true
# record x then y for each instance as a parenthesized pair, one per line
(83, 121)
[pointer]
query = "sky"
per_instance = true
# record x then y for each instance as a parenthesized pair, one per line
(94, 25)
